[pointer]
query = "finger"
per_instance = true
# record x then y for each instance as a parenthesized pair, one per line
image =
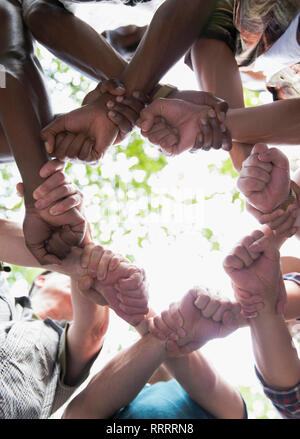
(52, 182)
(134, 104)
(216, 130)
(206, 132)
(113, 86)
(51, 167)
(232, 262)
(41, 254)
(248, 185)
(276, 157)
(70, 202)
(266, 245)
(246, 243)
(133, 282)
(104, 264)
(75, 146)
(242, 253)
(256, 173)
(94, 260)
(86, 150)
(85, 255)
(57, 246)
(50, 131)
(219, 313)
(59, 193)
(226, 138)
(121, 121)
(116, 261)
(61, 150)
(160, 329)
(253, 160)
(140, 303)
(210, 308)
(125, 110)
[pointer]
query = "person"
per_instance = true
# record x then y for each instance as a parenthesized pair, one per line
(176, 124)
(272, 195)
(248, 36)
(225, 41)
(196, 390)
(174, 27)
(254, 268)
(25, 87)
(43, 360)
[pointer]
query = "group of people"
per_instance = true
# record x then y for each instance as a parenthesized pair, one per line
(51, 337)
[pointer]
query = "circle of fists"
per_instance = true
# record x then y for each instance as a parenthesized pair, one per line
(111, 280)
(199, 317)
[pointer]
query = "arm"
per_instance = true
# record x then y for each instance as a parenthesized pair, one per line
(174, 27)
(276, 123)
(85, 335)
(277, 360)
(120, 381)
(57, 29)
(202, 317)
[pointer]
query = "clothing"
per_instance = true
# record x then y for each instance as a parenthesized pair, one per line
(164, 400)
(32, 353)
(250, 28)
(287, 401)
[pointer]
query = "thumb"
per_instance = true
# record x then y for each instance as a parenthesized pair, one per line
(274, 156)
(148, 114)
(113, 86)
(267, 246)
(49, 133)
(85, 283)
(259, 148)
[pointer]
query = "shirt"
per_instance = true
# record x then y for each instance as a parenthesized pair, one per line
(32, 354)
(287, 401)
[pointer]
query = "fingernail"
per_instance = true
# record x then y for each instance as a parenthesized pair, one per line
(54, 211)
(212, 113)
(110, 104)
(48, 147)
(36, 194)
(120, 98)
(112, 114)
(223, 128)
(38, 204)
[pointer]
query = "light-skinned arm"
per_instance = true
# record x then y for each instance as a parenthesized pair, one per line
(260, 274)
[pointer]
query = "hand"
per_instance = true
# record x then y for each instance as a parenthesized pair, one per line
(114, 279)
(193, 321)
(197, 126)
(265, 178)
(89, 130)
(255, 272)
(281, 222)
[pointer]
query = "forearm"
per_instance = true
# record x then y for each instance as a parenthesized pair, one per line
(275, 124)
(205, 386)
(275, 355)
(174, 27)
(85, 335)
(22, 129)
(57, 29)
(119, 382)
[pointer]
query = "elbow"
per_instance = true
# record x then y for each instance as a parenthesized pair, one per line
(42, 18)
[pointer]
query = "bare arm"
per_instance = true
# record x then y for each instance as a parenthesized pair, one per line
(57, 29)
(120, 381)
(275, 124)
(85, 336)
(174, 27)
(205, 386)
